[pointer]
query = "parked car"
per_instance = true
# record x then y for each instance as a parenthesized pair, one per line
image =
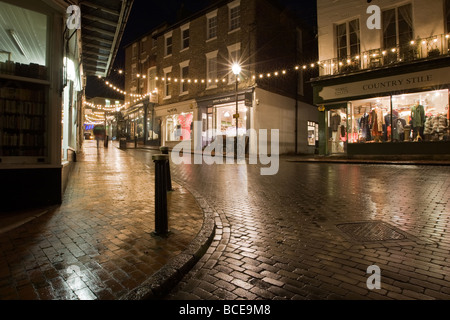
(88, 136)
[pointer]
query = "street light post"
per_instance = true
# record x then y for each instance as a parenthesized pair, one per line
(237, 70)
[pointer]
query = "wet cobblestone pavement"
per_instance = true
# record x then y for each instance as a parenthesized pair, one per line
(97, 245)
(278, 237)
(310, 232)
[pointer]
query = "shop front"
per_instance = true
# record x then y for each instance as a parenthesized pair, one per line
(218, 116)
(139, 122)
(177, 122)
(404, 114)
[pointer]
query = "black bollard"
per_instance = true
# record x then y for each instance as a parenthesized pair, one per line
(165, 150)
(135, 141)
(106, 141)
(161, 220)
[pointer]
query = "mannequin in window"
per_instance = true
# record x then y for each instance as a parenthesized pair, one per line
(377, 120)
(418, 120)
(365, 128)
(335, 124)
(335, 121)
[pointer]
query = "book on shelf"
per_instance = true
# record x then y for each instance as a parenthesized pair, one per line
(23, 121)
(31, 70)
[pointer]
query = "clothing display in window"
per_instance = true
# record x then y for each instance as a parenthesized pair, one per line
(335, 122)
(365, 127)
(436, 127)
(418, 121)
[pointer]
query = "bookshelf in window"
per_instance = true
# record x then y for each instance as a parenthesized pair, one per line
(23, 118)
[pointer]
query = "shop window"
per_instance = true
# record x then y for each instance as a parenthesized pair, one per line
(421, 116)
(24, 41)
(179, 127)
(415, 117)
(313, 131)
(369, 120)
(226, 122)
(24, 101)
(337, 131)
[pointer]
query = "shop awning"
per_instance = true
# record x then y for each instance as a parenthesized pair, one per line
(102, 27)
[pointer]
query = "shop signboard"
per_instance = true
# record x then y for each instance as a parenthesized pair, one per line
(429, 78)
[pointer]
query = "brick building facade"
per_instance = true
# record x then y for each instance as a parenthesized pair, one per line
(189, 64)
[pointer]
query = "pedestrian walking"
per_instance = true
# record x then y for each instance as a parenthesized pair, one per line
(99, 133)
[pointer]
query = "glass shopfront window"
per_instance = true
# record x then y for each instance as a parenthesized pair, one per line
(337, 131)
(415, 117)
(24, 34)
(226, 122)
(136, 125)
(154, 129)
(179, 127)
(369, 120)
(421, 116)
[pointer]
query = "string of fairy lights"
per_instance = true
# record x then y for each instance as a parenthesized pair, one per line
(103, 110)
(99, 116)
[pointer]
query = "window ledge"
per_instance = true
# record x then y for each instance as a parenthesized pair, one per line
(168, 56)
(185, 49)
(211, 40)
(235, 30)
(167, 98)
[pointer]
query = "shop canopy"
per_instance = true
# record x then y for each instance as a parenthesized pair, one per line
(103, 25)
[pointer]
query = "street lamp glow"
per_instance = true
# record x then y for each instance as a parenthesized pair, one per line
(236, 69)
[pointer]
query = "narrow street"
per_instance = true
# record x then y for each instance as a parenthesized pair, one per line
(290, 236)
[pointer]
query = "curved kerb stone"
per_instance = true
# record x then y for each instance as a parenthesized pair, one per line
(166, 278)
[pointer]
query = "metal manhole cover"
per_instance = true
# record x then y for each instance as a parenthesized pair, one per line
(371, 231)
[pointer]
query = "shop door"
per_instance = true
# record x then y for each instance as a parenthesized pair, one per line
(337, 131)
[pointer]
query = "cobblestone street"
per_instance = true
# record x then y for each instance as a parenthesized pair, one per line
(97, 245)
(287, 236)
(309, 232)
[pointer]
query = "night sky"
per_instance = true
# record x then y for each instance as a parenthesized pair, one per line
(146, 15)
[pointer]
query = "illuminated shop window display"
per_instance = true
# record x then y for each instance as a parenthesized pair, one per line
(414, 117)
(179, 127)
(337, 129)
(226, 121)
